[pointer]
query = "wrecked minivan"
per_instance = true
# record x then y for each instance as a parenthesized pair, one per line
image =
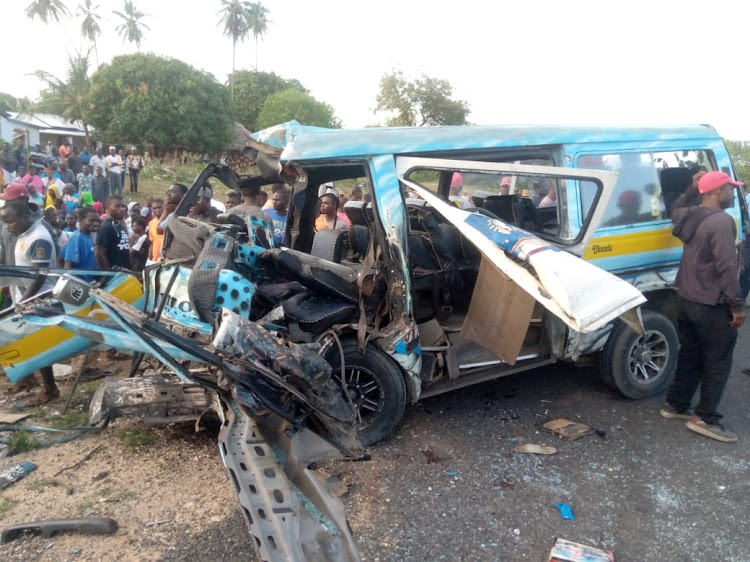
(313, 349)
(453, 289)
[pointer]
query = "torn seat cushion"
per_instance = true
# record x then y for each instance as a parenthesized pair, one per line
(318, 275)
(215, 256)
(187, 238)
(316, 313)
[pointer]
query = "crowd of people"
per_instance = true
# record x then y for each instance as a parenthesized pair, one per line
(64, 207)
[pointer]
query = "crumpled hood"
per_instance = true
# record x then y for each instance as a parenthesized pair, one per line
(688, 219)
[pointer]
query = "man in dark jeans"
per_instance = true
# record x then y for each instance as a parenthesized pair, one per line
(710, 306)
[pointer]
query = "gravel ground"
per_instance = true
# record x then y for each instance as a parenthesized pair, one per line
(446, 486)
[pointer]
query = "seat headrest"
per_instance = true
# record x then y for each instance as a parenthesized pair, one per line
(355, 212)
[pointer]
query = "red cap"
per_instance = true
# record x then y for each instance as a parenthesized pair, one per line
(457, 180)
(505, 181)
(15, 191)
(715, 180)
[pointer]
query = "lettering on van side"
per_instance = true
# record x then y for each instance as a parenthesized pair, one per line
(599, 249)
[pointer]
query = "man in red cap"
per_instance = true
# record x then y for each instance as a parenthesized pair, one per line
(710, 306)
(34, 247)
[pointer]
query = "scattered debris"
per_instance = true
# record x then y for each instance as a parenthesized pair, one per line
(433, 457)
(61, 371)
(12, 418)
(535, 449)
(567, 551)
(51, 527)
(568, 429)
(14, 472)
(100, 476)
(504, 484)
(565, 511)
(86, 457)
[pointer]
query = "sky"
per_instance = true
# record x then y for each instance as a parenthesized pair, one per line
(543, 62)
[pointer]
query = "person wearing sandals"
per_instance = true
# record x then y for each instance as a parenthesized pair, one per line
(710, 307)
(35, 248)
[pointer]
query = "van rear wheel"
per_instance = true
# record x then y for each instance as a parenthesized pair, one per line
(641, 366)
(376, 387)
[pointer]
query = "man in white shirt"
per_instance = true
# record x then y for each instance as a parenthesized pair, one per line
(36, 249)
(114, 172)
(98, 161)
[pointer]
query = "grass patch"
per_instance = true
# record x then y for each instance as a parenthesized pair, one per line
(116, 495)
(6, 504)
(138, 436)
(40, 483)
(21, 442)
(74, 418)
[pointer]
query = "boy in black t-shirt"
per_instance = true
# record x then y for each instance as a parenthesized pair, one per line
(112, 240)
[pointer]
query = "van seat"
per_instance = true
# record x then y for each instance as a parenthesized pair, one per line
(673, 182)
(355, 212)
(317, 274)
(328, 244)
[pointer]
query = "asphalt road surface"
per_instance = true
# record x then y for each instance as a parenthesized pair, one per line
(448, 486)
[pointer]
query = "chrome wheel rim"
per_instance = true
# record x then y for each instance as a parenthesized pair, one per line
(648, 357)
(365, 392)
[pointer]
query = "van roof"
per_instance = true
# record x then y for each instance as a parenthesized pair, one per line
(303, 143)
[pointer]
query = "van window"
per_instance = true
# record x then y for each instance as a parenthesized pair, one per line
(546, 205)
(638, 196)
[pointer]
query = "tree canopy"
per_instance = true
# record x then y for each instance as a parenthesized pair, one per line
(131, 28)
(293, 104)
(252, 89)
(740, 152)
(419, 102)
(47, 10)
(163, 102)
(67, 96)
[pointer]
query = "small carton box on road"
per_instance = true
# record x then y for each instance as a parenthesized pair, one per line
(567, 551)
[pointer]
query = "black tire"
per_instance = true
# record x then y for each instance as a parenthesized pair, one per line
(376, 387)
(641, 366)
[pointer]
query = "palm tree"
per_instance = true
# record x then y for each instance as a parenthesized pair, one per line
(132, 28)
(47, 10)
(90, 25)
(257, 19)
(68, 97)
(236, 25)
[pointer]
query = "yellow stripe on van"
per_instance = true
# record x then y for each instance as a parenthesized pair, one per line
(631, 243)
(130, 290)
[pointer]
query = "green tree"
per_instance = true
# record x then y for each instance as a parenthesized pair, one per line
(8, 102)
(236, 25)
(69, 96)
(420, 102)
(740, 151)
(90, 28)
(252, 89)
(292, 104)
(257, 20)
(131, 29)
(47, 10)
(162, 102)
